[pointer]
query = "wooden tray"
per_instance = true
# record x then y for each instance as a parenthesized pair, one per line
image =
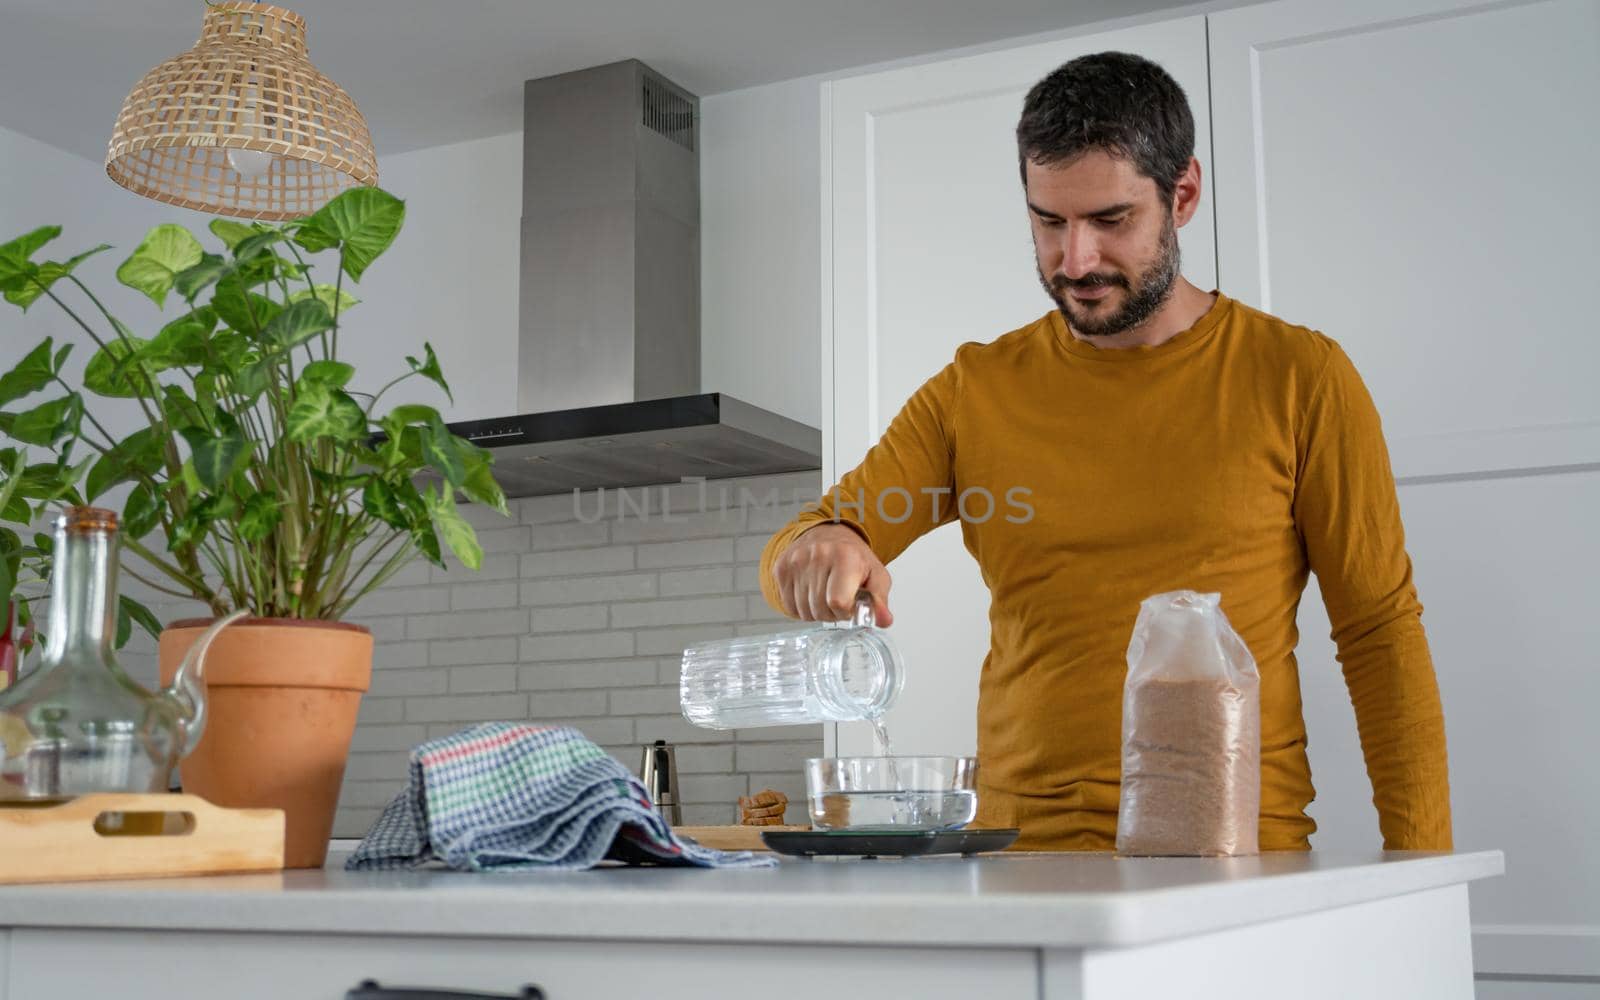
(732, 838)
(135, 836)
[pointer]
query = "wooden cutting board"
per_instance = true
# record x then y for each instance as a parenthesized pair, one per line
(731, 838)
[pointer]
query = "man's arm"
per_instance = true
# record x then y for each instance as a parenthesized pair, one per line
(1349, 521)
(916, 456)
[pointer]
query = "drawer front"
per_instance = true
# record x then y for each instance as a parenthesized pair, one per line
(133, 965)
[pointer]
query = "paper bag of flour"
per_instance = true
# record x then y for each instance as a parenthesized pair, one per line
(1191, 733)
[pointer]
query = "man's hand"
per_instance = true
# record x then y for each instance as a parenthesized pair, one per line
(818, 576)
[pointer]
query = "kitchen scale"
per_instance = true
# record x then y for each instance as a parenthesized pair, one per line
(887, 843)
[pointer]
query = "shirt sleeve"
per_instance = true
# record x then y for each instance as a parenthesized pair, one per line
(1348, 516)
(902, 489)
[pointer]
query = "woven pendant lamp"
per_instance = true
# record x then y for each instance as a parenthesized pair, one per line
(242, 124)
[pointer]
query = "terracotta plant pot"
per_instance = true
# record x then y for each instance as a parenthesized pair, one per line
(281, 703)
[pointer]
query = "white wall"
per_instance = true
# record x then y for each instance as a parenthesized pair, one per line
(761, 244)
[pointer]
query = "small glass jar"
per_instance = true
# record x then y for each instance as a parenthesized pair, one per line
(832, 672)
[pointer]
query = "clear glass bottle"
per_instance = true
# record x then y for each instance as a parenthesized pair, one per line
(833, 672)
(77, 723)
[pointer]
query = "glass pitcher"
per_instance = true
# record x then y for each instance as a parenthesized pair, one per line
(832, 672)
(77, 723)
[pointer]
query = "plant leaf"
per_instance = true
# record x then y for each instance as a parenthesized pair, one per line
(167, 249)
(428, 368)
(141, 513)
(191, 281)
(323, 411)
(231, 233)
(363, 221)
(142, 448)
(15, 267)
(141, 615)
(336, 299)
(50, 422)
(379, 500)
(45, 275)
(244, 311)
(333, 374)
(108, 372)
(261, 515)
(256, 242)
(216, 458)
(427, 542)
(440, 452)
(181, 342)
(31, 374)
(454, 529)
(298, 324)
(479, 483)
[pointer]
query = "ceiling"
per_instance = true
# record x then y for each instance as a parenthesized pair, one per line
(429, 72)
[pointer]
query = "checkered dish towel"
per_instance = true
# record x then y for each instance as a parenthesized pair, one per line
(512, 797)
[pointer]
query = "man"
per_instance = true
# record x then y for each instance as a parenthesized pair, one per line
(1163, 438)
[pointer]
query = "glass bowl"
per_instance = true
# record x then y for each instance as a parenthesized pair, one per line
(891, 793)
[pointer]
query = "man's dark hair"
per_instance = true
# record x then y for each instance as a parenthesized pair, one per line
(1122, 104)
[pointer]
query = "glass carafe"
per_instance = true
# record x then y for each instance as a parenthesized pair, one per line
(77, 723)
(834, 672)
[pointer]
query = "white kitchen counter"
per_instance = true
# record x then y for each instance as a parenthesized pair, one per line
(1062, 925)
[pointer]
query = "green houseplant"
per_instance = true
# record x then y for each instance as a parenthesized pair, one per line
(256, 478)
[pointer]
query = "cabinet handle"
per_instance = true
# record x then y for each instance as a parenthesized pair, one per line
(370, 990)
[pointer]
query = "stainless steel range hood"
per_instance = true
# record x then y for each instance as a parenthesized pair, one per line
(609, 362)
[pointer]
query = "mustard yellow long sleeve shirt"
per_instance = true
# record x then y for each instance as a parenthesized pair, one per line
(1237, 458)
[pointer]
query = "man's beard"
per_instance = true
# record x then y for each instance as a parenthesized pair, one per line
(1151, 291)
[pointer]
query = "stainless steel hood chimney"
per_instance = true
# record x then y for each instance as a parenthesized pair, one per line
(609, 363)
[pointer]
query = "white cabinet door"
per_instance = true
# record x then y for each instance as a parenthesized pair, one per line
(1413, 177)
(926, 246)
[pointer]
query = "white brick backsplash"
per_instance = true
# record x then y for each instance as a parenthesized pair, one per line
(391, 738)
(385, 766)
(467, 708)
(474, 596)
(392, 683)
(589, 674)
(671, 641)
(577, 562)
(454, 652)
(483, 518)
(747, 551)
(588, 589)
(496, 566)
(574, 535)
(645, 701)
(514, 539)
(578, 622)
(758, 610)
(698, 815)
(576, 618)
(710, 789)
(706, 609)
(399, 655)
(787, 757)
(675, 729)
(654, 527)
(780, 734)
(699, 552)
(561, 705)
(382, 629)
(711, 580)
(702, 759)
(377, 711)
(467, 624)
(603, 731)
(403, 600)
(576, 646)
(477, 680)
